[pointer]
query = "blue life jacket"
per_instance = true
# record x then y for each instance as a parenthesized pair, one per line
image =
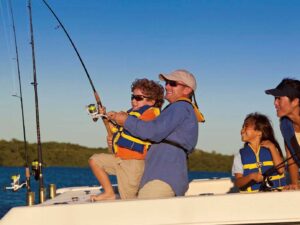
(288, 133)
(260, 162)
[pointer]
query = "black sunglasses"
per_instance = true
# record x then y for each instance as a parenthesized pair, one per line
(172, 83)
(138, 97)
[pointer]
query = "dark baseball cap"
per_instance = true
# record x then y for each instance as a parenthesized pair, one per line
(285, 88)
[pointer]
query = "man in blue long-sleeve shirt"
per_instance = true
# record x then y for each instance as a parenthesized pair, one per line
(174, 134)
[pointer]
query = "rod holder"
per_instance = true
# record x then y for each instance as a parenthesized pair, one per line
(52, 191)
(30, 198)
(42, 195)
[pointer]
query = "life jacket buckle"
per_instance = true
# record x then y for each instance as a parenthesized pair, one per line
(259, 165)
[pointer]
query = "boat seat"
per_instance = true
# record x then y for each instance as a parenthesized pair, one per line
(211, 186)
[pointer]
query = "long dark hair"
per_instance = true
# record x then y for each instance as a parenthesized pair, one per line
(262, 123)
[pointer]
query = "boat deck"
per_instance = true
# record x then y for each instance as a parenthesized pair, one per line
(206, 202)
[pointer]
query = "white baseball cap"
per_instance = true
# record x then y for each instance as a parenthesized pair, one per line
(181, 75)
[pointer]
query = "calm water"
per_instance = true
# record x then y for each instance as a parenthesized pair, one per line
(62, 177)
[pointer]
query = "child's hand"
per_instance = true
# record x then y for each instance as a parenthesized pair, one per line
(258, 177)
(268, 144)
(102, 110)
(119, 117)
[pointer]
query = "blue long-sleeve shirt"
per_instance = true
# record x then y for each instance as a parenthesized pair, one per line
(166, 162)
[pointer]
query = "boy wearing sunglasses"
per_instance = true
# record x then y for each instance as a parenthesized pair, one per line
(173, 134)
(127, 162)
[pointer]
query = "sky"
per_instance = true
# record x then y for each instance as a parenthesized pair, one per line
(235, 48)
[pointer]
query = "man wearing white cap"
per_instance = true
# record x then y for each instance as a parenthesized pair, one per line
(174, 135)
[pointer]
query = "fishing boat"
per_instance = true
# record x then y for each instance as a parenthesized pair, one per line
(207, 201)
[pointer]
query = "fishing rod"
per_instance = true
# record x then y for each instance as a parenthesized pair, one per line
(20, 96)
(267, 183)
(34, 83)
(97, 97)
(295, 155)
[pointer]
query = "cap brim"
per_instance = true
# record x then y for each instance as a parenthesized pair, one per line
(275, 92)
(162, 77)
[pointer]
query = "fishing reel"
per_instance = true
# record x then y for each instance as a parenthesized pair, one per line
(92, 111)
(35, 171)
(15, 183)
(267, 185)
(95, 114)
(15, 179)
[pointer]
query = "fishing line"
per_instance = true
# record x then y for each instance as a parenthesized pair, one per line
(8, 44)
(97, 97)
(27, 171)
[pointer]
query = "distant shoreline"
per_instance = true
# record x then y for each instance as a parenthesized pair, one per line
(73, 155)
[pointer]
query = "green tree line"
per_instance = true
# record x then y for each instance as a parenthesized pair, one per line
(66, 154)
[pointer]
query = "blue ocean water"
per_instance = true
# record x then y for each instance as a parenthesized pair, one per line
(62, 177)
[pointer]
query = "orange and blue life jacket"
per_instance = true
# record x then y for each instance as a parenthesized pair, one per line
(260, 162)
(127, 146)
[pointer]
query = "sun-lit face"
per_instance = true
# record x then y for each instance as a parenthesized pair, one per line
(285, 107)
(138, 99)
(249, 134)
(176, 90)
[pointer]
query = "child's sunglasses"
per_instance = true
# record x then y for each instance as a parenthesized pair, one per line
(138, 97)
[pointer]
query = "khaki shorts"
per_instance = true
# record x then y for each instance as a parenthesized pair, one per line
(128, 172)
(156, 189)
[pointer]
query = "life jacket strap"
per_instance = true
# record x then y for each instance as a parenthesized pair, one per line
(198, 114)
(288, 132)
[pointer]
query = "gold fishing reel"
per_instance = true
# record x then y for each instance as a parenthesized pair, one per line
(93, 111)
(35, 171)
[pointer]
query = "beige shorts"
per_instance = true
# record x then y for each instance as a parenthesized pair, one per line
(156, 189)
(128, 172)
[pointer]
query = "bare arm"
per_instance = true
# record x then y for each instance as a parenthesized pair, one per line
(277, 159)
(293, 169)
(241, 181)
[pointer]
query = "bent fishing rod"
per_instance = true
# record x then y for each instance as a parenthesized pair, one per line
(34, 83)
(20, 96)
(97, 97)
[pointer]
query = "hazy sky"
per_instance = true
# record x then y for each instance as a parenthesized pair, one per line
(236, 49)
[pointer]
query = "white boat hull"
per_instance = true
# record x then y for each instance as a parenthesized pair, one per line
(214, 205)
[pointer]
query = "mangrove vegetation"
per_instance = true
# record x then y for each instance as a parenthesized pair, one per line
(73, 155)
